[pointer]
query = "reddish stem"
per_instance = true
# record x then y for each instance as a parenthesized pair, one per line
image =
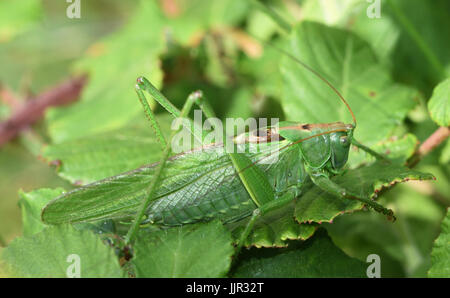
(34, 109)
(434, 140)
(439, 136)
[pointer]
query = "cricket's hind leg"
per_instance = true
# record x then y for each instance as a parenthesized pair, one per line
(194, 98)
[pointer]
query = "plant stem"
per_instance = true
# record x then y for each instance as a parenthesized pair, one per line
(434, 140)
(33, 110)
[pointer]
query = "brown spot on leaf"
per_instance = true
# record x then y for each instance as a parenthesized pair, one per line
(56, 163)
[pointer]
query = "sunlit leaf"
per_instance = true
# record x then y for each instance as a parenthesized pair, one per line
(31, 204)
(200, 250)
(109, 100)
(439, 104)
(350, 65)
(440, 256)
(18, 16)
(54, 251)
(95, 157)
(381, 33)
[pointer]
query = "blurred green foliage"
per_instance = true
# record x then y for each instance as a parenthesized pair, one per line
(393, 70)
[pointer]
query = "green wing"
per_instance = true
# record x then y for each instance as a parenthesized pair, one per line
(196, 185)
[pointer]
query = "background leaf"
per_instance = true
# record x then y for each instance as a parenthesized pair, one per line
(381, 33)
(404, 246)
(398, 150)
(351, 66)
(194, 16)
(420, 56)
(439, 104)
(317, 257)
(440, 256)
(445, 157)
(17, 17)
(109, 101)
(199, 250)
(45, 254)
(95, 157)
(31, 204)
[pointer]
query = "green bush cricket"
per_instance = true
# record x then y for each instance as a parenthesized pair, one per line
(210, 182)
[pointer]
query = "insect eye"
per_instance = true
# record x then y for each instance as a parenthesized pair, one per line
(343, 140)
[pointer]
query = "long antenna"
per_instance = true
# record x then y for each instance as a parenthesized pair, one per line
(292, 57)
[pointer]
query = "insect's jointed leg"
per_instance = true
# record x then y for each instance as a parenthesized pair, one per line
(144, 84)
(370, 151)
(151, 116)
(152, 188)
(253, 178)
(263, 209)
(329, 186)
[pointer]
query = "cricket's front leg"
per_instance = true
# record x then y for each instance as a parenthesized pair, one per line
(370, 151)
(262, 210)
(329, 186)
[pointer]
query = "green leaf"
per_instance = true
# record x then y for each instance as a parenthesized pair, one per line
(439, 104)
(4, 111)
(18, 16)
(198, 250)
(317, 257)
(404, 246)
(382, 33)
(445, 155)
(351, 66)
(47, 254)
(31, 204)
(109, 100)
(95, 157)
(396, 149)
(41, 55)
(274, 229)
(113, 64)
(260, 24)
(268, 81)
(421, 54)
(195, 16)
(318, 206)
(440, 256)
